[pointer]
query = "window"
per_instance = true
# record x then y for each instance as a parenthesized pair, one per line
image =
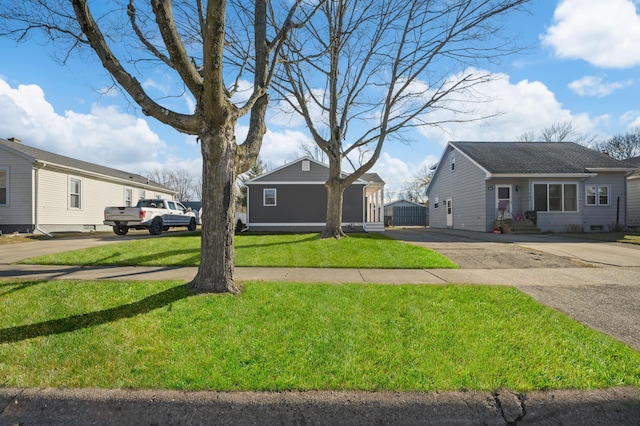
(453, 162)
(597, 195)
(128, 197)
(142, 194)
(3, 186)
(269, 197)
(75, 194)
(306, 165)
(436, 202)
(555, 197)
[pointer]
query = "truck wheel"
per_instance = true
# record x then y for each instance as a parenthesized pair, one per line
(156, 226)
(120, 230)
(192, 224)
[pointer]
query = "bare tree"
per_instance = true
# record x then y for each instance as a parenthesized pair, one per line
(416, 188)
(179, 180)
(624, 146)
(210, 45)
(365, 70)
(558, 132)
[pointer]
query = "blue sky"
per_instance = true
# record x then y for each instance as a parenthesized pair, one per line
(582, 67)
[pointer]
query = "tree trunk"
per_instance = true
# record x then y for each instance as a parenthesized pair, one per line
(215, 273)
(333, 227)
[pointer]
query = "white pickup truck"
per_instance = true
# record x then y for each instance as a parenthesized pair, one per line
(156, 215)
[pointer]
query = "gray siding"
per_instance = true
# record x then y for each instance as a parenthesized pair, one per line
(301, 203)
(293, 173)
(605, 216)
(633, 201)
(466, 187)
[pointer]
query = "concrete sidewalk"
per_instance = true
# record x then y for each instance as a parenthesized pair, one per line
(510, 277)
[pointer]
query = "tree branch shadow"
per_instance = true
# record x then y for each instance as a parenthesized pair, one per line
(77, 322)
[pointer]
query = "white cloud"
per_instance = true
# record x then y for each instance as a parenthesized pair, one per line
(398, 173)
(603, 33)
(594, 86)
(526, 106)
(105, 136)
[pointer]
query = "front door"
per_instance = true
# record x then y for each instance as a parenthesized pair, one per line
(449, 213)
(503, 202)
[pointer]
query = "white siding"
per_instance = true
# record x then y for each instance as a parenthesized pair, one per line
(18, 211)
(55, 215)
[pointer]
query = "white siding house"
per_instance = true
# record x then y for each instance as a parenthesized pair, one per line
(43, 192)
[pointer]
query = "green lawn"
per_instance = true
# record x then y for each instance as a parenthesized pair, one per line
(286, 250)
(292, 336)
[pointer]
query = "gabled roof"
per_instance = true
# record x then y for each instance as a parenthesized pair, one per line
(36, 155)
(405, 202)
(275, 175)
(520, 158)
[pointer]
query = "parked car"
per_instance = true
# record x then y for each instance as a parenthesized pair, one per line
(156, 215)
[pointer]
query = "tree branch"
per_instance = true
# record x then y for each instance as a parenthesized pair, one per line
(184, 123)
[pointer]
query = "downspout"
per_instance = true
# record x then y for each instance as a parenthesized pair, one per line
(37, 193)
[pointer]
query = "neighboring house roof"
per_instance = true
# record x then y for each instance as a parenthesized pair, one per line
(36, 155)
(518, 158)
(404, 203)
(265, 177)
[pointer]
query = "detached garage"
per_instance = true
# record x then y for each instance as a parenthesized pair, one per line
(405, 213)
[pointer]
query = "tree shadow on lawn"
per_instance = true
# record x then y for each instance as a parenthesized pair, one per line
(77, 322)
(15, 286)
(279, 243)
(147, 260)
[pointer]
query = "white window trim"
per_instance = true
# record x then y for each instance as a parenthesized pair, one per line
(7, 185)
(563, 211)
(130, 200)
(75, 178)
(275, 197)
(597, 195)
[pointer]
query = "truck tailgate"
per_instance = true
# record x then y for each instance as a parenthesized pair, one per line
(122, 214)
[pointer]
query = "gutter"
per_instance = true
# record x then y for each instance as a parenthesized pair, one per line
(38, 166)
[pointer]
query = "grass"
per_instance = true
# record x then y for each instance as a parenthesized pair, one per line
(613, 237)
(293, 336)
(283, 250)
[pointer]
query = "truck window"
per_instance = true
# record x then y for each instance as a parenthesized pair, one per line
(172, 205)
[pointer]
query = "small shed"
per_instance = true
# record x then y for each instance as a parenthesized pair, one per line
(405, 213)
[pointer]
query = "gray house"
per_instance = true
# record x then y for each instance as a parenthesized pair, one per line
(43, 192)
(633, 195)
(293, 198)
(559, 186)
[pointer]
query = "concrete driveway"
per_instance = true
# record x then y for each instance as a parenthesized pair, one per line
(608, 301)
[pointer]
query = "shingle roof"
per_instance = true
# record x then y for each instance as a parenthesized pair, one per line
(371, 177)
(537, 157)
(50, 157)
